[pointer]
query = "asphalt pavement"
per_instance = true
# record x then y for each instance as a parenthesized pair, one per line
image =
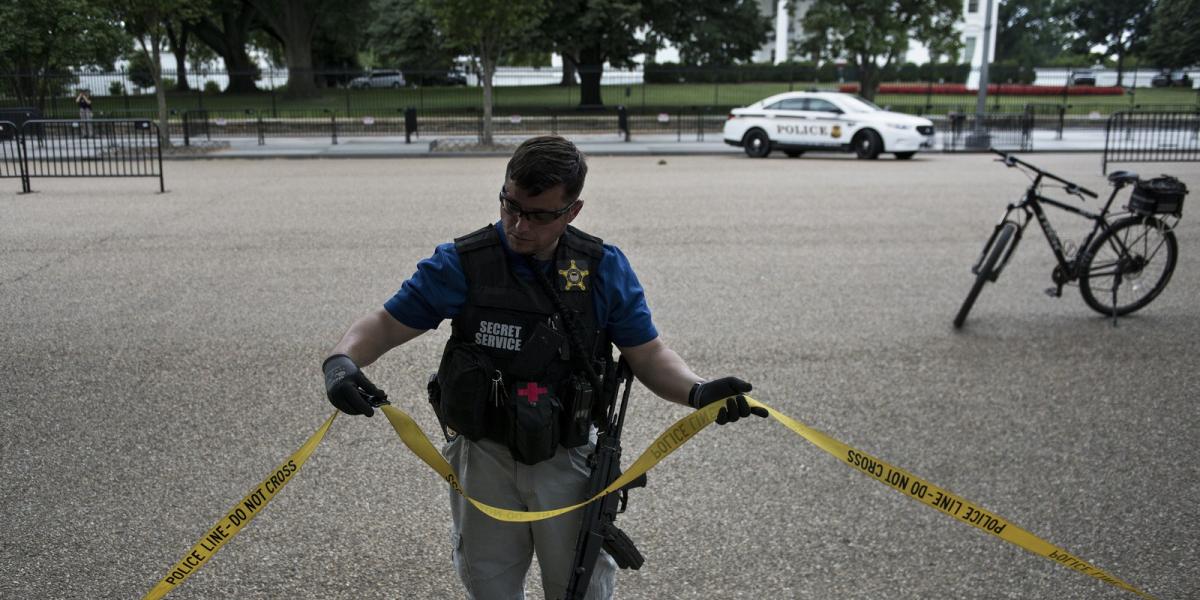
(162, 355)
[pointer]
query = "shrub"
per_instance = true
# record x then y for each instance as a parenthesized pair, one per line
(116, 88)
(140, 70)
(997, 89)
(212, 87)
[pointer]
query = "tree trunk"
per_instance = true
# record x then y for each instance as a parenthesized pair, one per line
(568, 71)
(488, 65)
(243, 74)
(293, 24)
(179, 49)
(164, 134)
(868, 79)
(1120, 65)
(301, 83)
(25, 81)
(591, 69)
(229, 42)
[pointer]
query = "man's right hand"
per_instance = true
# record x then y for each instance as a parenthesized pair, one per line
(348, 389)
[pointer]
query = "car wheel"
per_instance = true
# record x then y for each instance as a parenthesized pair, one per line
(867, 144)
(905, 155)
(757, 144)
(396, 85)
(793, 153)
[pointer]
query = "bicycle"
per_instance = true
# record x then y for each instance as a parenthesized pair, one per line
(1123, 264)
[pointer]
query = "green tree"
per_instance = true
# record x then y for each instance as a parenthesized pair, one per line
(146, 21)
(140, 70)
(1175, 34)
(294, 23)
(489, 29)
(225, 27)
(874, 34)
(1119, 26)
(338, 42)
(40, 40)
(405, 34)
(711, 32)
(590, 33)
(182, 43)
(1030, 32)
(177, 42)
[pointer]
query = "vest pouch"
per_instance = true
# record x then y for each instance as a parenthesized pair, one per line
(535, 428)
(466, 377)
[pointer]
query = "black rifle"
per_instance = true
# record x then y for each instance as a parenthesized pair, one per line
(598, 528)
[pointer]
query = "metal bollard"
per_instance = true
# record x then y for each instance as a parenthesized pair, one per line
(410, 124)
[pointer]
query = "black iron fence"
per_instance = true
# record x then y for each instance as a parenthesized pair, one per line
(685, 123)
(938, 89)
(81, 148)
(1151, 137)
(12, 155)
(966, 132)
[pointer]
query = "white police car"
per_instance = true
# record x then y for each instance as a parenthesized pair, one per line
(797, 121)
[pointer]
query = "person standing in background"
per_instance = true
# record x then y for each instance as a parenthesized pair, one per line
(85, 113)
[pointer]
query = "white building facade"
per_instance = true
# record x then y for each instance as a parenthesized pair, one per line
(789, 30)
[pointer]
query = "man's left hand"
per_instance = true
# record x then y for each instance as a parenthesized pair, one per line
(729, 389)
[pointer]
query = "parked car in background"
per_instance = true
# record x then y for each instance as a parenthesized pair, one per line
(795, 122)
(1171, 79)
(378, 79)
(1083, 78)
(433, 77)
(456, 77)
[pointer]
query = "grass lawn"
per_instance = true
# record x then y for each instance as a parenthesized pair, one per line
(650, 97)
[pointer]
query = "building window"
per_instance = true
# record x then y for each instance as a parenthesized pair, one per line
(972, 6)
(969, 50)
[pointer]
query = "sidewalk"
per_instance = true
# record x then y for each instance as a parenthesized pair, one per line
(395, 147)
(592, 145)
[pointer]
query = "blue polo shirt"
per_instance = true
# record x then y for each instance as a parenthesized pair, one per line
(438, 290)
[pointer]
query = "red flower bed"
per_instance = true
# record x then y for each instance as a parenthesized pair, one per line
(999, 89)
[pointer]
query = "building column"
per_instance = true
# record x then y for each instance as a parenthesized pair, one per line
(782, 24)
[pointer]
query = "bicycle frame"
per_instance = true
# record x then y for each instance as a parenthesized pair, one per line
(1031, 207)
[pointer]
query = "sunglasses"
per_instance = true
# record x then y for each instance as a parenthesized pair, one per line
(540, 217)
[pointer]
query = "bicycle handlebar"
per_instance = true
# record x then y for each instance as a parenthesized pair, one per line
(1072, 188)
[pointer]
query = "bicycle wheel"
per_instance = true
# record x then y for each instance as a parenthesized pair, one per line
(1003, 237)
(1136, 258)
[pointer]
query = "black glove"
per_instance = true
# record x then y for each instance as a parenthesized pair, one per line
(348, 389)
(730, 389)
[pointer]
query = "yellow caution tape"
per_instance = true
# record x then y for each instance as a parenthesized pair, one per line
(239, 516)
(670, 440)
(942, 500)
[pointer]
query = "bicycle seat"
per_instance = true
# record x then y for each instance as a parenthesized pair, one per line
(1122, 177)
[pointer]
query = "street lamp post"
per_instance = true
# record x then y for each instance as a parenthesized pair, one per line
(980, 138)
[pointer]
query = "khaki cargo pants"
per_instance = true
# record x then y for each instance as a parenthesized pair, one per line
(492, 557)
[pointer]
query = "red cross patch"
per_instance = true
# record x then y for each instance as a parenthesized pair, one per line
(532, 392)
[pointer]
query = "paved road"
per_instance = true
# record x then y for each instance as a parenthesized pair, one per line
(162, 351)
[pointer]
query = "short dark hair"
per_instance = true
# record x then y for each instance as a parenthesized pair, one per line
(543, 162)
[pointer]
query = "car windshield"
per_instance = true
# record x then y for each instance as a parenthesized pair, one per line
(860, 105)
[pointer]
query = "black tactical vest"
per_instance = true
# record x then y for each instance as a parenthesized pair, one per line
(507, 373)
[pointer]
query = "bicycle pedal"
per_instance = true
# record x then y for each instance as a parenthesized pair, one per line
(1054, 292)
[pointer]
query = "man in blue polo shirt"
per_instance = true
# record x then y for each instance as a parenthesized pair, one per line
(535, 306)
